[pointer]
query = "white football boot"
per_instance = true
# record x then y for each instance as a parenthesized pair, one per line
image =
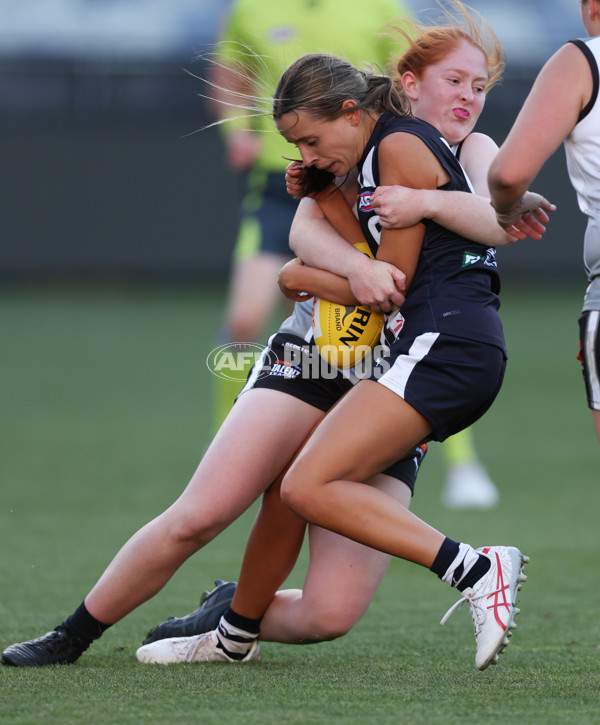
(492, 602)
(200, 648)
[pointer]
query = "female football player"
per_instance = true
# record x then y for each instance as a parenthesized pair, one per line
(563, 106)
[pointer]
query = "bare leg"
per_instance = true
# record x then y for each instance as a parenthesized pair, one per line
(596, 419)
(271, 552)
(340, 583)
(365, 432)
(369, 429)
(260, 435)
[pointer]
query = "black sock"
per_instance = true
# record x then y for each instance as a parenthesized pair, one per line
(81, 624)
(445, 556)
(252, 626)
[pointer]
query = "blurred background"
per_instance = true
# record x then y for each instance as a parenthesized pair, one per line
(104, 176)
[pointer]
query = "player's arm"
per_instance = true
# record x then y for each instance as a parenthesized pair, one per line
(375, 284)
(333, 207)
(405, 160)
(336, 208)
(469, 215)
(548, 116)
(478, 152)
(299, 282)
(318, 244)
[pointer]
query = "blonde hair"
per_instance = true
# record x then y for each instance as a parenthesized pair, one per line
(429, 44)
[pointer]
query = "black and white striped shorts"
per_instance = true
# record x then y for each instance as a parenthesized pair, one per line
(589, 355)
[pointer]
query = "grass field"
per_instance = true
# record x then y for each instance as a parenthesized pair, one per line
(105, 412)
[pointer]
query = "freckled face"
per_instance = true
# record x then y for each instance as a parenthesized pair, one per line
(451, 94)
(333, 145)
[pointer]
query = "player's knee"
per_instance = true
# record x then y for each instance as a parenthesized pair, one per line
(296, 493)
(327, 624)
(194, 530)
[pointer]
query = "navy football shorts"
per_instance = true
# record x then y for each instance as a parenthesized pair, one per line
(288, 364)
(450, 381)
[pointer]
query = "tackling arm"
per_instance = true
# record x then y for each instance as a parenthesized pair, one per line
(469, 215)
(299, 282)
(375, 284)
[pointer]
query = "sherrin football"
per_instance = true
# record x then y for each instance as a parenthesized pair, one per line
(344, 334)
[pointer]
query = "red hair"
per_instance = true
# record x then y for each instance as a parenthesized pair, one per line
(428, 45)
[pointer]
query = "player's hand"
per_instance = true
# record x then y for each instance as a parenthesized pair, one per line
(378, 285)
(532, 225)
(528, 218)
(295, 174)
(286, 281)
(302, 181)
(398, 206)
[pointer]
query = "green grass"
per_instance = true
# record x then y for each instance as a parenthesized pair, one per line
(105, 412)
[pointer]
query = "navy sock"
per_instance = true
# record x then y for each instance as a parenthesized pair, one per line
(445, 556)
(451, 561)
(252, 626)
(81, 624)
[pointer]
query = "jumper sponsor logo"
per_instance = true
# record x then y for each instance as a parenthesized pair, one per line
(294, 346)
(283, 369)
(233, 360)
(469, 258)
(364, 201)
(396, 323)
(490, 257)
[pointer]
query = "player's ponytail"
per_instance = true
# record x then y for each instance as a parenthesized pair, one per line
(384, 96)
(319, 84)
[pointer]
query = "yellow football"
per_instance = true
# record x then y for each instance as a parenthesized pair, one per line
(345, 334)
